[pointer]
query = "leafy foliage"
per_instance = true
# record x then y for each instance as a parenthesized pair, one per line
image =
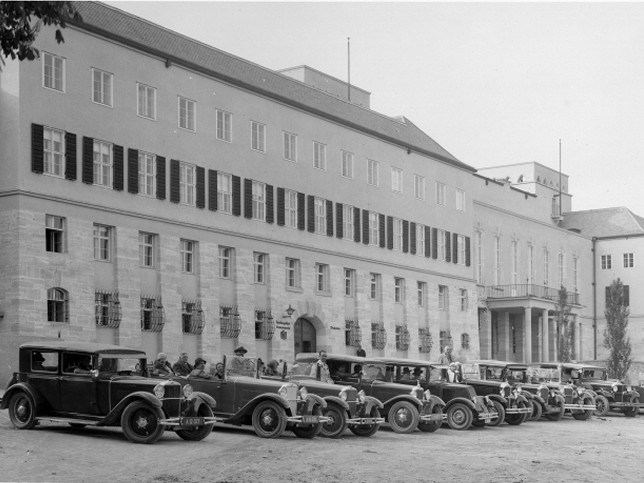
(615, 335)
(566, 329)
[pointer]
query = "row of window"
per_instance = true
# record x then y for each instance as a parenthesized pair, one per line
(102, 93)
(607, 261)
(103, 165)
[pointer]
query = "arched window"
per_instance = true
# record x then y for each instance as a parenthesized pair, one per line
(57, 305)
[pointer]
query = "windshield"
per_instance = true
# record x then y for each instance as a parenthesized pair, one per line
(438, 374)
(302, 369)
(545, 375)
(517, 375)
(594, 374)
(241, 366)
(379, 372)
(117, 363)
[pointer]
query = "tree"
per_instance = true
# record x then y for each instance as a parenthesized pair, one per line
(20, 23)
(565, 329)
(615, 335)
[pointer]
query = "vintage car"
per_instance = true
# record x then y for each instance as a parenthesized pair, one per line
(610, 394)
(463, 407)
(404, 408)
(270, 405)
(88, 384)
(345, 406)
(580, 401)
(486, 377)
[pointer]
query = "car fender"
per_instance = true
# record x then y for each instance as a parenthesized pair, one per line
(115, 414)
(560, 399)
(632, 394)
(415, 401)
(35, 396)
(338, 401)
(370, 402)
(436, 401)
(461, 400)
(205, 399)
(528, 395)
(313, 400)
(248, 408)
(605, 393)
(539, 399)
(500, 399)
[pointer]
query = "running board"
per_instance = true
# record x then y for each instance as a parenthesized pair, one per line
(86, 422)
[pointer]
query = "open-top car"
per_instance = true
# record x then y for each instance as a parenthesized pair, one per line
(270, 405)
(580, 401)
(404, 408)
(487, 378)
(463, 407)
(89, 384)
(345, 405)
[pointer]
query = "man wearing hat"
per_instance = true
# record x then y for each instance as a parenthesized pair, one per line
(240, 351)
(200, 369)
(182, 367)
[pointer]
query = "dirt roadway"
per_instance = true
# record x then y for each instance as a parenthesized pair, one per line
(598, 450)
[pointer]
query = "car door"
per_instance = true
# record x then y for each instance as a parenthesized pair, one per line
(78, 389)
(44, 376)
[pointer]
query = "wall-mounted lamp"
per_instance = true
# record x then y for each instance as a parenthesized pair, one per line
(290, 310)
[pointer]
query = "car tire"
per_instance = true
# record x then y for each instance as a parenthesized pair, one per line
(537, 411)
(338, 424)
(632, 411)
(22, 410)
(603, 406)
(459, 417)
(309, 431)
(269, 419)
(556, 416)
(366, 430)
(403, 417)
(516, 419)
(432, 426)
(140, 423)
(200, 432)
(583, 415)
(500, 411)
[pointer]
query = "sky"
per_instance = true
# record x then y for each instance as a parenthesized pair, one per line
(493, 83)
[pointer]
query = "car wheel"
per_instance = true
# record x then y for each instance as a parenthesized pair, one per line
(269, 419)
(366, 430)
(500, 410)
(403, 417)
(22, 411)
(556, 416)
(459, 417)
(334, 428)
(516, 419)
(632, 411)
(310, 430)
(199, 432)
(583, 415)
(140, 423)
(602, 404)
(537, 411)
(432, 426)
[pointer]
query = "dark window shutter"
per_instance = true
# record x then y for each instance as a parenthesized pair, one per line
(161, 189)
(329, 218)
(434, 243)
(412, 238)
(281, 206)
(270, 209)
(405, 237)
(390, 233)
(448, 247)
(88, 160)
(236, 195)
(311, 213)
(212, 190)
(301, 209)
(70, 156)
(248, 198)
(133, 170)
(382, 229)
(365, 227)
(175, 173)
(200, 200)
(37, 147)
(455, 248)
(118, 168)
(339, 229)
(356, 224)
(468, 260)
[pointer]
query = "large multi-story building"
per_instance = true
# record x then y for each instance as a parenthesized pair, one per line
(158, 192)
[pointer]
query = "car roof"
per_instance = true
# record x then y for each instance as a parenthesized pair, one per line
(570, 365)
(82, 346)
(314, 356)
(403, 361)
(489, 362)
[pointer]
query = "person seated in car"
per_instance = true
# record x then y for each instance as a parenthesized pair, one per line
(341, 372)
(271, 369)
(161, 365)
(357, 371)
(82, 368)
(417, 373)
(406, 374)
(219, 371)
(200, 369)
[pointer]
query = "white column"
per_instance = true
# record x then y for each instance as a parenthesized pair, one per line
(527, 334)
(545, 331)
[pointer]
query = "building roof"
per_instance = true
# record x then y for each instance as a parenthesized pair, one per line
(139, 33)
(604, 222)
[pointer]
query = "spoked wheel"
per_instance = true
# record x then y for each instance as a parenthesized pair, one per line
(500, 410)
(403, 417)
(602, 405)
(367, 430)
(432, 426)
(200, 432)
(334, 428)
(310, 430)
(269, 419)
(140, 423)
(459, 417)
(22, 411)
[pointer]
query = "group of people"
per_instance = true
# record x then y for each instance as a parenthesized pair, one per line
(182, 367)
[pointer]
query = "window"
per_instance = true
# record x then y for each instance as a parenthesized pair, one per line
(348, 225)
(102, 87)
(546, 267)
(259, 201)
(419, 187)
(442, 298)
(225, 262)
(396, 180)
(55, 234)
(57, 305)
(320, 216)
(187, 183)
(290, 208)
(628, 260)
(514, 249)
(192, 319)
(147, 174)
(497, 260)
(349, 282)
(107, 308)
(102, 243)
(103, 161)
(373, 175)
(347, 164)
(374, 232)
(606, 262)
(465, 341)
(224, 125)
(464, 300)
(399, 290)
(375, 286)
(440, 244)
(530, 264)
(53, 151)
(319, 155)
(398, 234)
(402, 337)
(460, 249)
(561, 269)
(224, 192)
(480, 261)
(293, 277)
(352, 333)
(147, 249)
(440, 193)
(420, 240)
(187, 114)
(188, 249)
(422, 293)
(53, 72)
(322, 278)
(290, 146)
(146, 101)
(259, 267)
(258, 136)
(460, 199)
(152, 314)
(575, 273)
(264, 325)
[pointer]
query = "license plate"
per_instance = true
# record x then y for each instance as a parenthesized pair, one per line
(309, 419)
(191, 421)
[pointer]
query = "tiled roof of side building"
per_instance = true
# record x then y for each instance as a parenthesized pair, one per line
(131, 30)
(604, 222)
